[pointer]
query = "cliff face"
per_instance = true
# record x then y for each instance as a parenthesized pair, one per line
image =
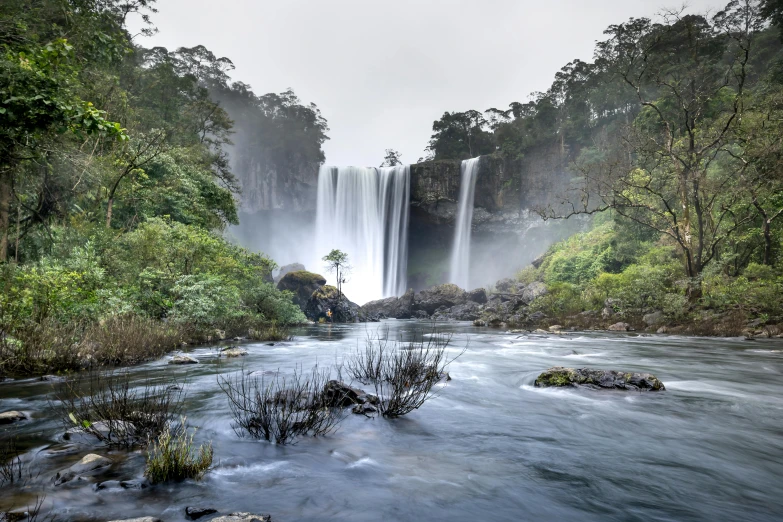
(506, 189)
(265, 187)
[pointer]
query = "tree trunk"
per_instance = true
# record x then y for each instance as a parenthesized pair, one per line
(767, 242)
(5, 212)
(108, 213)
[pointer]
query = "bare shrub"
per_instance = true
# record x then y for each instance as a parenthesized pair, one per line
(173, 456)
(404, 374)
(280, 409)
(11, 469)
(107, 406)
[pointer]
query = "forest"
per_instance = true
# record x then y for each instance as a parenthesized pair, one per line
(115, 185)
(675, 132)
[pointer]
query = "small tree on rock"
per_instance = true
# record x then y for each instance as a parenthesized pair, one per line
(337, 263)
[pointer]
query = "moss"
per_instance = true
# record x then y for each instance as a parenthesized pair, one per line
(304, 277)
(556, 377)
(326, 292)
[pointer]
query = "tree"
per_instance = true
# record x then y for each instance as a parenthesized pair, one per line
(392, 158)
(669, 171)
(461, 135)
(337, 263)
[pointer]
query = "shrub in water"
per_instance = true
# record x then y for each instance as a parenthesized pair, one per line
(173, 456)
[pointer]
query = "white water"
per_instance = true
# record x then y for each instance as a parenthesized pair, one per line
(460, 250)
(364, 213)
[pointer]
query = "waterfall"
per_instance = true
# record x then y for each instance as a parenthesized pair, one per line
(460, 250)
(364, 213)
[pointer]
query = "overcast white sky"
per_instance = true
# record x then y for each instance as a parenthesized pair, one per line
(382, 71)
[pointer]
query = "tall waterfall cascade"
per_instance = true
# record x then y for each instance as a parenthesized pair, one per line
(460, 250)
(364, 213)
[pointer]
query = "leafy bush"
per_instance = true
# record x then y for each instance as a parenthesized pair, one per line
(173, 456)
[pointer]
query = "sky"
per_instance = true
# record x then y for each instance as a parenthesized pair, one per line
(382, 71)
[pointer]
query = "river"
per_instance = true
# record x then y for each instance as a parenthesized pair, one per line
(489, 446)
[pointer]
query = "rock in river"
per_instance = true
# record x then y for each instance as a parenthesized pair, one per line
(8, 417)
(194, 513)
(243, 517)
(183, 359)
(559, 376)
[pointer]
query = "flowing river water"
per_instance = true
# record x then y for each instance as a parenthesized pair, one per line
(490, 446)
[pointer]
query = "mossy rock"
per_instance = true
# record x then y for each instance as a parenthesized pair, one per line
(605, 379)
(302, 284)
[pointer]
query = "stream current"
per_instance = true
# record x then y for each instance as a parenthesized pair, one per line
(489, 446)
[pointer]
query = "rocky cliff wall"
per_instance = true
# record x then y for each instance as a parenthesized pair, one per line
(504, 187)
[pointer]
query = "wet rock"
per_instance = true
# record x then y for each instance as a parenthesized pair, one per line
(608, 379)
(183, 359)
(391, 307)
(431, 299)
(327, 299)
(364, 409)
(88, 465)
(555, 328)
(194, 513)
(302, 284)
(662, 330)
(339, 394)
(52, 378)
(139, 519)
(135, 483)
(479, 295)
(479, 322)
(9, 417)
(619, 327)
(233, 352)
(242, 517)
(653, 318)
(420, 314)
(540, 331)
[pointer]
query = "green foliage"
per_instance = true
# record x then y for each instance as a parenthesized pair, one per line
(173, 456)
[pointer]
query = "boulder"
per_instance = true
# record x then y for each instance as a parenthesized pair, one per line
(465, 312)
(479, 322)
(479, 295)
(339, 394)
(431, 299)
(506, 286)
(183, 359)
(302, 284)
(89, 464)
(653, 318)
(327, 298)
(619, 327)
(287, 269)
(242, 517)
(8, 417)
(391, 307)
(607, 379)
(194, 513)
(233, 352)
(555, 328)
(532, 291)
(139, 519)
